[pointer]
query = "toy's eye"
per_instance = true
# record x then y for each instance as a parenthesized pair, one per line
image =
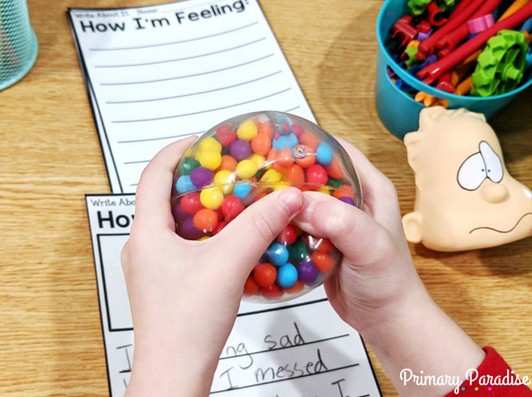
(493, 163)
(472, 172)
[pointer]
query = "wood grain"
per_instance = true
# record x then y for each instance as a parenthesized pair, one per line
(50, 336)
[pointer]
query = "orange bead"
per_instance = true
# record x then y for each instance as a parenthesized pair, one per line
(266, 129)
(261, 144)
(335, 169)
(265, 274)
(228, 163)
(295, 176)
(323, 262)
(309, 139)
(344, 191)
(284, 158)
(324, 245)
(205, 220)
(250, 286)
(309, 159)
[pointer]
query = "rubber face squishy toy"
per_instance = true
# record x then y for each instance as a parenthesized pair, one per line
(465, 197)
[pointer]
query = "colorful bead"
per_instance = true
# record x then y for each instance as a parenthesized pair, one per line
(245, 169)
(278, 254)
(231, 207)
(209, 159)
(265, 274)
(205, 220)
(287, 275)
(184, 184)
(247, 130)
(212, 197)
(201, 176)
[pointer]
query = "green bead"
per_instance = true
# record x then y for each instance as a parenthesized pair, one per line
(187, 165)
(297, 251)
(335, 182)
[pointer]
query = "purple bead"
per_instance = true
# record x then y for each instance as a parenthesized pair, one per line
(307, 272)
(240, 149)
(201, 176)
(347, 200)
(178, 213)
(188, 231)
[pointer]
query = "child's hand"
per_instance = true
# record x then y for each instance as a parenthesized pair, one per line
(377, 290)
(184, 295)
(377, 273)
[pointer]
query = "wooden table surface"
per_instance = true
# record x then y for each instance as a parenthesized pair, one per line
(50, 336)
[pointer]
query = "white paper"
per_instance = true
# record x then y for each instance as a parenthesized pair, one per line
(299, 348)
(159, 73)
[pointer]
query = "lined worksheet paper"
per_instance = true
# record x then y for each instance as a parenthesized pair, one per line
(159, 73)
(299, 348)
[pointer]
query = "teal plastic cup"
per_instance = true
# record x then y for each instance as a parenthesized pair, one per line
(18, 43)
(398, 111)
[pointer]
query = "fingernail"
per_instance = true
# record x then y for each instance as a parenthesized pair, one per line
(291, 198)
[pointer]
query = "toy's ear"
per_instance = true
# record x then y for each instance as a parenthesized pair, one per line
(412, 226)
(411, 141)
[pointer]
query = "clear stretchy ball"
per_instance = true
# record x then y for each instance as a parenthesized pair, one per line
(247, 157)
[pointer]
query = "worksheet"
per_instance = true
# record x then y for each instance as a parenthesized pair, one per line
(299, 348)
(159, 73)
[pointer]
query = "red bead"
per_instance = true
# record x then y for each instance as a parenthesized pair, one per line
(271, 292)
(250, 286)
(190, 203)
(288, 236)
(225, 134)
(317, 175)
(231, 207)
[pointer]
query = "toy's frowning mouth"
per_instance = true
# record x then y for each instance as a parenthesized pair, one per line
(501, 231)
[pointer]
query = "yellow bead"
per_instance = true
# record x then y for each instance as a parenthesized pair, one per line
(280, 185)
(257, 159)
(245, 169)
(224, 179)
(210, 143)
(325, 190)
(271, 176)
(209, 159)
(211, 197)
(247, 130)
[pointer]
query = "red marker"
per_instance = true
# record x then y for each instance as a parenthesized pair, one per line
(459, 16)
(447, 43)
(433, 72)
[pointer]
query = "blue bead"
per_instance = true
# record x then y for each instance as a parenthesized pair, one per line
(278, 254)
(184, 184)
(285, 141)
(241, 190)
(324, 154)
(286, 275)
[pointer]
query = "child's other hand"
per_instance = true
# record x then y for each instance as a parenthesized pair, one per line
(377, 273)
(377, 290)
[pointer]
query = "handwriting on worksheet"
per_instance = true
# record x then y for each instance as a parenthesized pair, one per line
(159, 73)
(299, 348)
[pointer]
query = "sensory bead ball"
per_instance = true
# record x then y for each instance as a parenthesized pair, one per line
(242, 160)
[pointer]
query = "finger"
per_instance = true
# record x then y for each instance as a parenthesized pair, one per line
(350, 229)
(152, 206)
(250, 234)
(378, 192)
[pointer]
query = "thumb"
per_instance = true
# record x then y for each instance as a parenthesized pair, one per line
(361, 240)
(253, 230)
